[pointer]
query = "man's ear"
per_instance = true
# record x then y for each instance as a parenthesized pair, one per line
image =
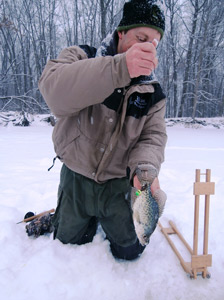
(120, 35)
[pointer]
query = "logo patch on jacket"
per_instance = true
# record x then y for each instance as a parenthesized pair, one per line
(140, 104)
(138, 101)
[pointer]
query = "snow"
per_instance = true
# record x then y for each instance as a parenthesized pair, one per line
(44, 268)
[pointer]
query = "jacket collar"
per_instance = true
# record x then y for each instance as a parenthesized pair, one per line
(108, 45)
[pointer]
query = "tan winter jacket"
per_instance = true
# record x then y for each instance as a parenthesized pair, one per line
(90, 137)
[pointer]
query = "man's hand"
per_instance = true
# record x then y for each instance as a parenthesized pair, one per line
(155, 184)
(141, 59)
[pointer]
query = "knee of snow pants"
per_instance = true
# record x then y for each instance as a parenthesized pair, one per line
(81, 199)
(128, 253)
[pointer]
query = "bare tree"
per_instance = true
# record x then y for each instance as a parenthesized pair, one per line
(191, 53)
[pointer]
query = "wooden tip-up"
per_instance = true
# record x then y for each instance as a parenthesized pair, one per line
(199, 263)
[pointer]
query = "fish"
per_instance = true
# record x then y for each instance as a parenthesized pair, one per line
(146, 210)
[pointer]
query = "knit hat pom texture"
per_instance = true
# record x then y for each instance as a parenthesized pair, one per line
(139, 13)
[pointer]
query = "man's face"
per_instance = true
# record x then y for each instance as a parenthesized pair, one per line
(136, 35)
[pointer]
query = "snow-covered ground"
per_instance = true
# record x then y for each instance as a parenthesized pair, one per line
(46, 269)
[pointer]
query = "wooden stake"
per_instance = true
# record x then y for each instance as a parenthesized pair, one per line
(206, 220)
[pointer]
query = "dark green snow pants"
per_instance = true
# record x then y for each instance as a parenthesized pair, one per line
(82, 203)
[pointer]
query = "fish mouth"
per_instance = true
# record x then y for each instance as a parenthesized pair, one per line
(145, 240)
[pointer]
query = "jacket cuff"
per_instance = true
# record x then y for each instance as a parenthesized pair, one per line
(120, 72)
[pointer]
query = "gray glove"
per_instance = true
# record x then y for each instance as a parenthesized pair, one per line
(146, 173)
(160, 197)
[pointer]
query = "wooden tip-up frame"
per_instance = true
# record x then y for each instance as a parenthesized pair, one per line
(199, 263)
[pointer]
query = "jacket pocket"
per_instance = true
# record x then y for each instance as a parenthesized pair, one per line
(61, 145)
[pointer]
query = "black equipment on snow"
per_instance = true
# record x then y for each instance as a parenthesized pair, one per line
(40, 226)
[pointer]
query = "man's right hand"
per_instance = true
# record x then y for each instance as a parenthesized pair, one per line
(141, 59)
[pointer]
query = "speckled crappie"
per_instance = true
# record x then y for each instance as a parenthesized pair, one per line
(146, 212)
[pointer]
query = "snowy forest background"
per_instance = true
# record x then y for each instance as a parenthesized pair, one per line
(191, 53)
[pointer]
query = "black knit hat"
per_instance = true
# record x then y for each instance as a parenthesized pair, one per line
(146, 13)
